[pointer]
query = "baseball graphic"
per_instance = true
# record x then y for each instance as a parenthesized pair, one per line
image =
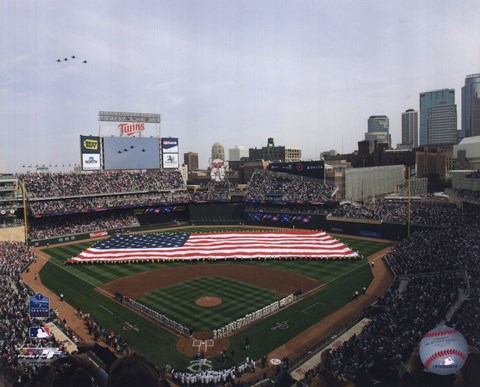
(443, 350)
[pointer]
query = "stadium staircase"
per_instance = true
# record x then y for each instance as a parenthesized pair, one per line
(403, 284)
(462, 296)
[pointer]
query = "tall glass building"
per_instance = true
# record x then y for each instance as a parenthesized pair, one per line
(471, 106)
(378, 124)
(438, 117)
(410, 128)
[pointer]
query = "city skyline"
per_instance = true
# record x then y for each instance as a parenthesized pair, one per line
(308, 74)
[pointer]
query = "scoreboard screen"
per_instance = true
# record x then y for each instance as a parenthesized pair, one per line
(131, 153)
(313, 169)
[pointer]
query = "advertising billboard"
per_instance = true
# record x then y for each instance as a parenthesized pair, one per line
(90, 153)
(90, 161)
(313, 169)
(170, 152)
(170, 145)
(170, 160)
(89, 144)
(131, 153)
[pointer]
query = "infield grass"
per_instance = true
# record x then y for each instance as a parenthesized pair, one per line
(78, 283)
(178, 302)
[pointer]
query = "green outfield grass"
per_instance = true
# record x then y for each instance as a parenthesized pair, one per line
(77, 283)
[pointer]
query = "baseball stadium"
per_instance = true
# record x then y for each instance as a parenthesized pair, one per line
(274, 281)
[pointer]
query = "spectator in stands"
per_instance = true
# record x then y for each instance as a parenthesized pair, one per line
(135, 370)
(267, 185)
(57, 185)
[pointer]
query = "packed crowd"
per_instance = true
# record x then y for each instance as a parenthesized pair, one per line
(469, 196)
(68, 193)
(63, 369)
(428, 211)
(96, 203)
(399, 321)
(49, 185)
(80, 223)
(324, 209)
(473, 175)
(211, 195)
(265, 185)
(14, 312)
(457, 249)
(437, 265)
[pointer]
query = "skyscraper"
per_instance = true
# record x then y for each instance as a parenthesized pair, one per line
(218, 152)
(191, 159)
(378, 124)
(410, 128)
(378, 130)
(236, 153)
(438, 117)
(471, 106)
(442, 124)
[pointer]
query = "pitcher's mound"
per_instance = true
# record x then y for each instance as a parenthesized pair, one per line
(208, 301)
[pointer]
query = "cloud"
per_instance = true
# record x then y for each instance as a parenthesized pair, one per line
(306, 73)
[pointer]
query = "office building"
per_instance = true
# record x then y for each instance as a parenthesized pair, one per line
(378, 130)
(379, 137)
(275, 153)
(237, 153)
(410, 128)
(471, 106)
(191, 159)
(442, 124)
(438, 117)
(378, 124)
(218, 152)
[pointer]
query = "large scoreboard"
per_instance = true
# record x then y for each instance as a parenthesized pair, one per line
(131, 153)
(313, 169)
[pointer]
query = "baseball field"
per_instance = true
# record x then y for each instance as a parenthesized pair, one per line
(179, 290)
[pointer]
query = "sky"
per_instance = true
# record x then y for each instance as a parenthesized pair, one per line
(307, 73)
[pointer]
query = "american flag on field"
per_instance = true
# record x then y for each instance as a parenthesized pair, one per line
(221, 245)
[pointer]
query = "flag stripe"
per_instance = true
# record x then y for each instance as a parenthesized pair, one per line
(226, 245)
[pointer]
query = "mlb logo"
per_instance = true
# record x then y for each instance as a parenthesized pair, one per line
(39, 332)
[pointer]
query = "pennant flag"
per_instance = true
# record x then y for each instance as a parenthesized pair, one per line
(222, 245)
